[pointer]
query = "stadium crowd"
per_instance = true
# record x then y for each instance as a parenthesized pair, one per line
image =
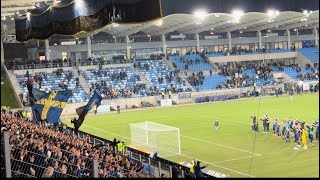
(40, 150)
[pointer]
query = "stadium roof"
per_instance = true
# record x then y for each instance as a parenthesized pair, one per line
(219, 22)
(189, 23)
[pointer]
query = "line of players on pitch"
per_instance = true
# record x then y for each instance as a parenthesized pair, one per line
(289, 127)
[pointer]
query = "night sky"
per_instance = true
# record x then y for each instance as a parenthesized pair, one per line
(226, 6)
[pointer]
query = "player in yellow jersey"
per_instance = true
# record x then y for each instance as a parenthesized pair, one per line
(304, 138)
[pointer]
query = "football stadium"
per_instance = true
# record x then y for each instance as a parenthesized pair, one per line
(159, 88)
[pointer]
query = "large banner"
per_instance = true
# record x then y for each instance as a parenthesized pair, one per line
(70, 17)
(184, 95)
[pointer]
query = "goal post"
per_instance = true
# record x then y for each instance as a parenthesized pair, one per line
(156, 137)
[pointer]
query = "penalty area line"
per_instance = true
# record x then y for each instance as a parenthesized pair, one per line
(180, 154)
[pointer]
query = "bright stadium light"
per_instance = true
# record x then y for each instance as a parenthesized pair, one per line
(237, 14)
(271, 13)
(306, 12)
(159, 22)
(200, 14)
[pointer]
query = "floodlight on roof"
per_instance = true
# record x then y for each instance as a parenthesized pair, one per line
(237, 14)
(306, 12)
(159, 22)
(271, 13)
(200, 14)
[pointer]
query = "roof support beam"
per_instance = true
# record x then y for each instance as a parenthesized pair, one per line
(241, 26)
(203, 28)
(274, 24)
(299, 24)
(170, 29)
(133, 30)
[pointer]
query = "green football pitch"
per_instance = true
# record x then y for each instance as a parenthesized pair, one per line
(234, 149)
(7, 93)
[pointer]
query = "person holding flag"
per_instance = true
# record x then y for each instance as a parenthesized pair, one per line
(95, 100)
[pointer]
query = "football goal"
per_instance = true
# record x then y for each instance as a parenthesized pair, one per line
(156, 137)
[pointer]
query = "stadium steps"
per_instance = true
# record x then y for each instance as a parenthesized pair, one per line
(282, 77)
(14, 83)
(302, 60)
(82, 81)
(169, 64)
(142, 77)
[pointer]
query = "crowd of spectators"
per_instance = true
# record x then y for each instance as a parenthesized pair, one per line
(236, 77)
(196, 79)
(313, 75)
(108, 91)
(40, 150)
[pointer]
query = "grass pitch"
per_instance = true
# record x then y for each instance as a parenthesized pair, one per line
(8, 97)
(229, 149)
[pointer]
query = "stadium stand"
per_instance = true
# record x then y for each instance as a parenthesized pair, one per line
(204, 83)
(118, 82)
(58, 80)
(192, 62)
(312, 54)
(160, 76)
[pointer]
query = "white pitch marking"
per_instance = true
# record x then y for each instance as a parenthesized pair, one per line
(235, 159)
(183, 154)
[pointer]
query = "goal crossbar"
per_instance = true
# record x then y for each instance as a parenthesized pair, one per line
(146, 133)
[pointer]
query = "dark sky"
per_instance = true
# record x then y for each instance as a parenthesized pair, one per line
(226, 6)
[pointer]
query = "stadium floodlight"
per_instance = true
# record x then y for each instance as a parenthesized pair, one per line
(159, 22)
(271, 13)
(200, 14)
(306, 12)
(237, 14)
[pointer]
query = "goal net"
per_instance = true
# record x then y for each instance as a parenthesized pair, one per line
(156, 137)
